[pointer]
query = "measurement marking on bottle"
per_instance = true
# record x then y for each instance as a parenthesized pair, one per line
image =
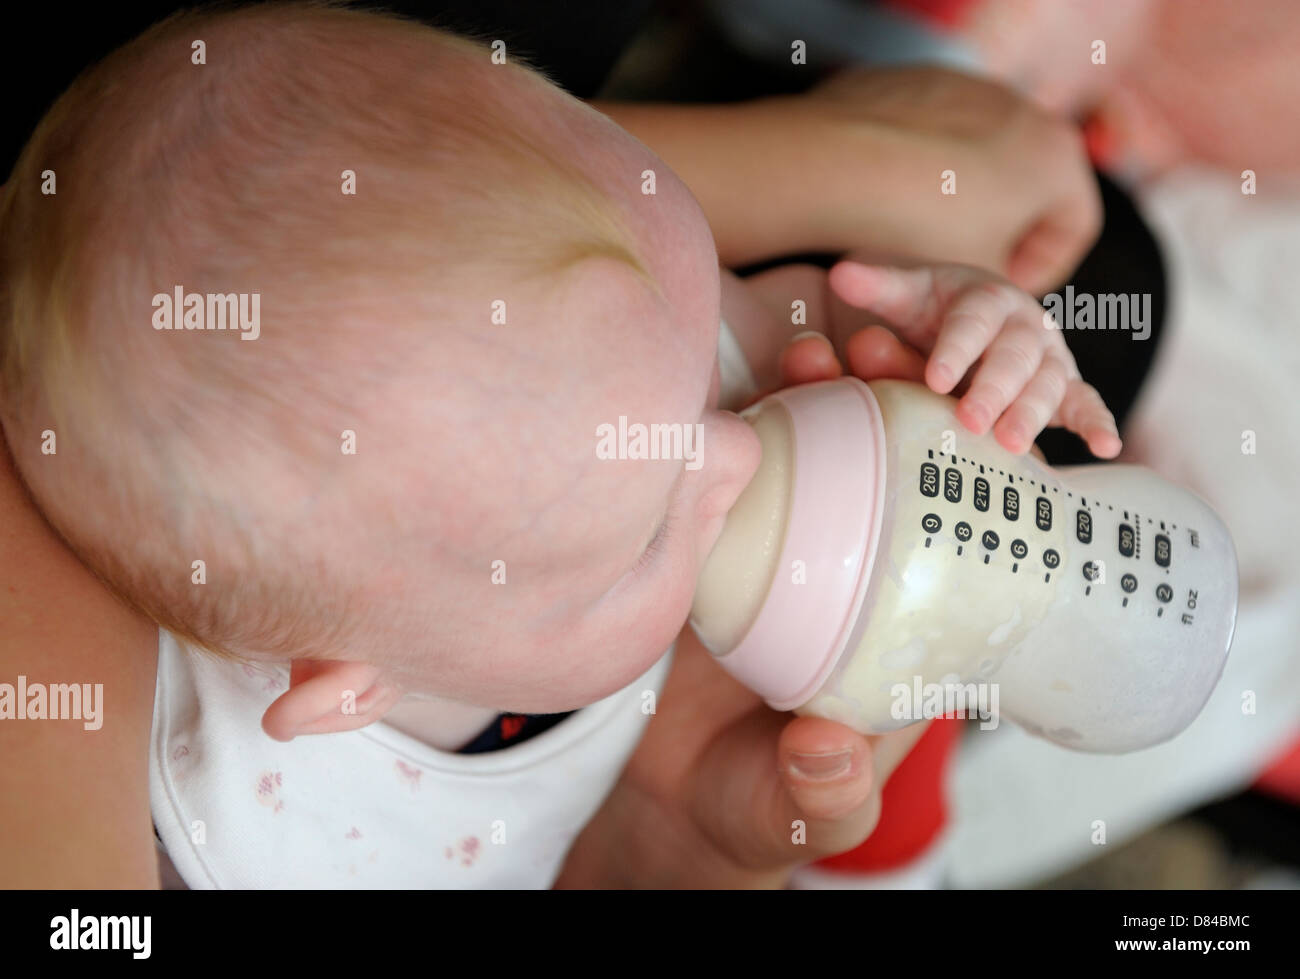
(1043, 512)
(1013, 568)
(1047, 577)
(959, 550)
(986, 559)
(952, 485)
(1088, 590)
(930, 453)
(927, 542)
(929, 479)
(1159, 612)
(1126, 540)
(1125, 603)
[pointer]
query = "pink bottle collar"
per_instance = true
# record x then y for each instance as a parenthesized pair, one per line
(833, 527)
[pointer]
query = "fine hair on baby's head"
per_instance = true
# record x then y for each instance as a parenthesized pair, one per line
(227, 176)
(437, 278)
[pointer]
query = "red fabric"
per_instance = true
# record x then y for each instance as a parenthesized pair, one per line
(949, 13)
(1101, 143)
(913, 807)
(1282, 778)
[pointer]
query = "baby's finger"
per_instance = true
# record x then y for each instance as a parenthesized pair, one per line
(1083, 412)
(808, 357)
(1034, 408)
(1010, 363)
(894, 293)
(876, 352)
(909, 300)
(968, 328)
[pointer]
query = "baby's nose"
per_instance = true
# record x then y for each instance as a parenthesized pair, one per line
(732, 452)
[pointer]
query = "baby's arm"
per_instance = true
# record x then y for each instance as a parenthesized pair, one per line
(758, 311)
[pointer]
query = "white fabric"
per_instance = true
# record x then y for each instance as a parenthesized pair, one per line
(375, 808)
(1024, 808)
(372, 808)
(738, 384)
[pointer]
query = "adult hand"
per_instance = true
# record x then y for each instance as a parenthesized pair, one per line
(1026, 204)
(856, 164)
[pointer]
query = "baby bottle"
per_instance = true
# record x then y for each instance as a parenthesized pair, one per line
(884, 561)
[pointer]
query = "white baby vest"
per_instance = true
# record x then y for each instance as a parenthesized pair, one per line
(367, 808)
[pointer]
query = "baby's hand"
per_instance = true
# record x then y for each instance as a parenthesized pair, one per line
(1026, 379)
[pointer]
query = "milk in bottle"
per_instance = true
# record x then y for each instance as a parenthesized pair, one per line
(882, 550)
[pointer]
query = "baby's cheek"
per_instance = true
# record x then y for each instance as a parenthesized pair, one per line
(671, 603)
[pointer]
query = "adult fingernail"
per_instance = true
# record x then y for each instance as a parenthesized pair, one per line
(823, 766)
(808, 333)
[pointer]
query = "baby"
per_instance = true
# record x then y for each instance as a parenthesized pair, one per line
(448, 277)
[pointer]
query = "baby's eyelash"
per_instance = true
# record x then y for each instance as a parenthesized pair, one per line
(657, 542)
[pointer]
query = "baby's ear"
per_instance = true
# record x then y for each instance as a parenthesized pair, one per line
(327, 696)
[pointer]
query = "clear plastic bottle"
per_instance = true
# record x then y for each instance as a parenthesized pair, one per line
(885, 561)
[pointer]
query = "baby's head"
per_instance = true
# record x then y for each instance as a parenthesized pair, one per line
(399, 474)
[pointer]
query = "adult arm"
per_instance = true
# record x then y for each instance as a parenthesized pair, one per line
(858, 162)
(74, 803)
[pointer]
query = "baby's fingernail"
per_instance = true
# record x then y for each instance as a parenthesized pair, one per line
(979, 415)
(943, 375)
(1112, 439)
(822, 767)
